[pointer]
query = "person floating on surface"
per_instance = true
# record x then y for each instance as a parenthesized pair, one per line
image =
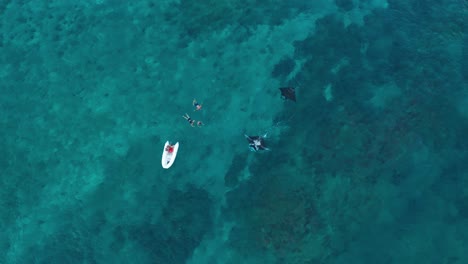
(197, 105)
(200, 123)
(256, 143)
(189, 119)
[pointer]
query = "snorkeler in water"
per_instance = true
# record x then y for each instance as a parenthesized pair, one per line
(196, 105)
(189, 119)
(256, 143)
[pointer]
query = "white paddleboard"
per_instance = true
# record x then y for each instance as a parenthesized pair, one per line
(168, 158)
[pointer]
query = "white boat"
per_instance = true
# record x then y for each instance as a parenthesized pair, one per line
(167, 156)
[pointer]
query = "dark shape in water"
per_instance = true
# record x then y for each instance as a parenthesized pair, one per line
(288, 93)
(256, 143)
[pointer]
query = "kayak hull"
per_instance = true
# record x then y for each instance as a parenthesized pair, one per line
(168, 158)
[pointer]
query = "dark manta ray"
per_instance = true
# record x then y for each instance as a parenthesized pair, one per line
(256, 143)
(288, 93)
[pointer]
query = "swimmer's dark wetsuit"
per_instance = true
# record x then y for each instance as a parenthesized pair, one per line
(190, 120)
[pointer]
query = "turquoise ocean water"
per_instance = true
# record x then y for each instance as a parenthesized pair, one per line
(368, 166)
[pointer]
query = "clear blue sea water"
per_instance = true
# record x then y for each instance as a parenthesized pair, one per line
(368, 166)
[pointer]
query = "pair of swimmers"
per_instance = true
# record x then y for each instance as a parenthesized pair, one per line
(189, 119)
